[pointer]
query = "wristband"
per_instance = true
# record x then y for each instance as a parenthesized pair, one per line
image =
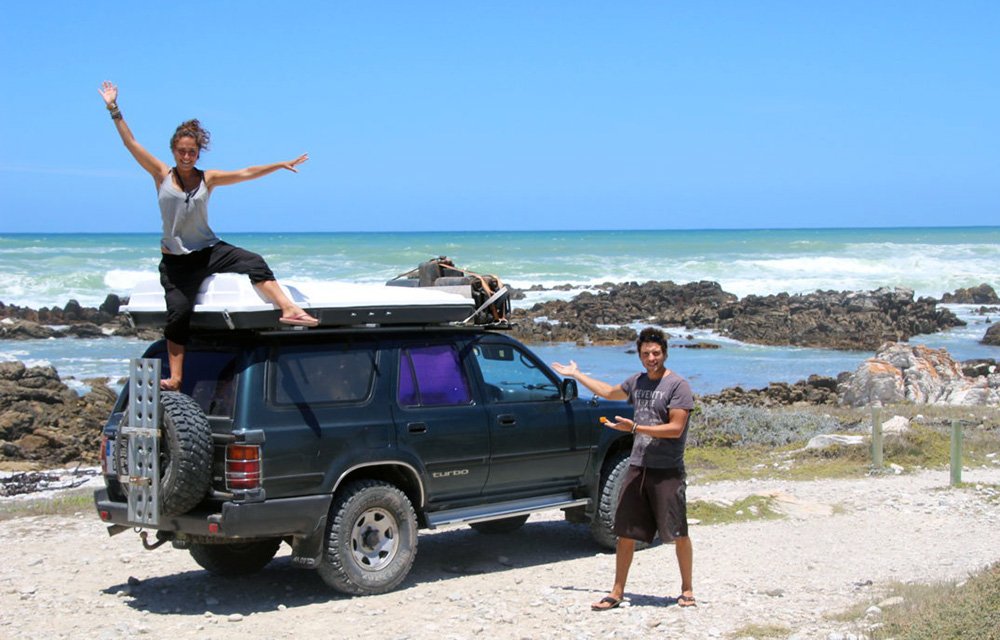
(635, 425)
(112, 106)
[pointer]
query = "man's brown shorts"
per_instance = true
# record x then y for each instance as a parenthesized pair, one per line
(652, 500)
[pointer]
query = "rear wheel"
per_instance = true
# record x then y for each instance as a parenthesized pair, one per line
(371, 539)
(503, 525)
(185, 449)
(238, 559)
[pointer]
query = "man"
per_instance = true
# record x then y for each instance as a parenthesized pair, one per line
(653, 492)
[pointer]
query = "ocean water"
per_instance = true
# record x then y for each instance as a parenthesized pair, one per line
(50, 269)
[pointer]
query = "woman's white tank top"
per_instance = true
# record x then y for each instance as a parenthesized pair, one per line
(185, 217)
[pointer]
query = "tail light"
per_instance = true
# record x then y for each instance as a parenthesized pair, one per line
(105, 443)
(243, 466)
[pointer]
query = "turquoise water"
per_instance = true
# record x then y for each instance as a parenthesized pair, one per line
(49, 269)
(46, 270)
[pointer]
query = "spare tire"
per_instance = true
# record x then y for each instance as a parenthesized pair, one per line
(185, 448)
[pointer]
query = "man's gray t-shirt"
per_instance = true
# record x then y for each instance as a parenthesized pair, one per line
(653, 400)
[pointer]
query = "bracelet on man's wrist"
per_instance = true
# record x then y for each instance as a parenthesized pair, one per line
(635, 425)
(112, 106)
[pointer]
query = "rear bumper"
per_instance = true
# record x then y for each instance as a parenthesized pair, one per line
(278, 517)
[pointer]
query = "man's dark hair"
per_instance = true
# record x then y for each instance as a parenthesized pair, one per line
(652, 334)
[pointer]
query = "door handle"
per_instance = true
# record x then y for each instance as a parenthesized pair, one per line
(416, 427)
(506, 419)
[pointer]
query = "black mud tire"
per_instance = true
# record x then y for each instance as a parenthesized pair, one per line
(503, 525)
(612, 480)
(234, 560)
(185, 454)
(371, 539)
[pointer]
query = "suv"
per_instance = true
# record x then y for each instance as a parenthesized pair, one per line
(344, 442)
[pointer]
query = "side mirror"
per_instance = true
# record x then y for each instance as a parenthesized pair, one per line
(568, 390)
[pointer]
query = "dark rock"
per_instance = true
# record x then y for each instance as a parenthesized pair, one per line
(817, 390)
(85, 330)
(826, 319)
(41, 419)
(979, 368)
(111, 305)
(983, 294)
(835, 320)
(992, 336)
(26, 330)
(72, 311)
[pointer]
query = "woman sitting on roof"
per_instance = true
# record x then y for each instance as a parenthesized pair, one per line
(191, 250)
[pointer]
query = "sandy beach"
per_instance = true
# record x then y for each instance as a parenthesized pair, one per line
(839, 544)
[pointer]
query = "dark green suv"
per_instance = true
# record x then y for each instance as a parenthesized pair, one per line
(344, 442)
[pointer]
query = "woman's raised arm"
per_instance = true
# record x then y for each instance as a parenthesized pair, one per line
(156, 168)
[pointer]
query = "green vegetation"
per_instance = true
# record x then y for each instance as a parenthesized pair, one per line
(968, 610)
(734, 442)
(749, 508)
(761, 631)
(64, 505)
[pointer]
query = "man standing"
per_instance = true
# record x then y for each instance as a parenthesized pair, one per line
(653, 492)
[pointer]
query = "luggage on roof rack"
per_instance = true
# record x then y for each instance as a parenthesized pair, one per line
(491, 296)
(230, 301)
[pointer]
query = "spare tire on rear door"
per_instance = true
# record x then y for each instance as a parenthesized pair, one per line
(185, 454)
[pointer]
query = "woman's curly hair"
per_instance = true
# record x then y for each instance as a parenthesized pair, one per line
(191, 129)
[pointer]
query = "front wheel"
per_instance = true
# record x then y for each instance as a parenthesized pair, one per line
(612, 480)
(371, 539)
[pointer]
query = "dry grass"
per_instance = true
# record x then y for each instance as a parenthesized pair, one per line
(71, 503)
(967, 610)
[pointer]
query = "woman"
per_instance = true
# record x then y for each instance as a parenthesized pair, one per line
(191, 250)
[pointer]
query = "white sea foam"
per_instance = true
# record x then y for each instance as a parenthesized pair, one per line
(123, 280)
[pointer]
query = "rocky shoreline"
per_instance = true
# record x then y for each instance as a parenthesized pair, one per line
(850, 320)
(44, 421)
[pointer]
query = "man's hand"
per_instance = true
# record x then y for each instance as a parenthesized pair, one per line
(619, 424)
(569, 371)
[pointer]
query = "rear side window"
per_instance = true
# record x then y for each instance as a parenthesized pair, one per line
(339, 373)
(432, 376)
(209, 378)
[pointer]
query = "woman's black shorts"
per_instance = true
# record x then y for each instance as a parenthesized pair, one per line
(182, 275)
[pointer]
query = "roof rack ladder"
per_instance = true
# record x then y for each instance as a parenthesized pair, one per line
(142, 435)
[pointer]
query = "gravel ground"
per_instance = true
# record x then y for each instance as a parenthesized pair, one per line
(840, 542)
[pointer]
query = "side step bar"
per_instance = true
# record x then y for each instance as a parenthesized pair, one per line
(481, 513)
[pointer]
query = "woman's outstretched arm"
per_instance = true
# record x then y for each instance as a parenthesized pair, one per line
(216, 178)
(146, 160)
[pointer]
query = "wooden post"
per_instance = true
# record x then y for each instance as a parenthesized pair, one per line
(956, 453)
(877, 437)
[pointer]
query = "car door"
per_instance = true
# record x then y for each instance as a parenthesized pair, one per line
(437, 419)
(538, 442)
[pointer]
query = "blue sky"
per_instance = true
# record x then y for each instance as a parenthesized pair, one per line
(510, 115)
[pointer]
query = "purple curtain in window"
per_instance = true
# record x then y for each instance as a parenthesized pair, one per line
(439, 377)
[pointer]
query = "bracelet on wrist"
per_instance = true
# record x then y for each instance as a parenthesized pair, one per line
(112, 106)
(116, 114)
(635, 425)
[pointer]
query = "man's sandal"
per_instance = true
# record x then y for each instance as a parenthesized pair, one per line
(606, 603)
(686, 601)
